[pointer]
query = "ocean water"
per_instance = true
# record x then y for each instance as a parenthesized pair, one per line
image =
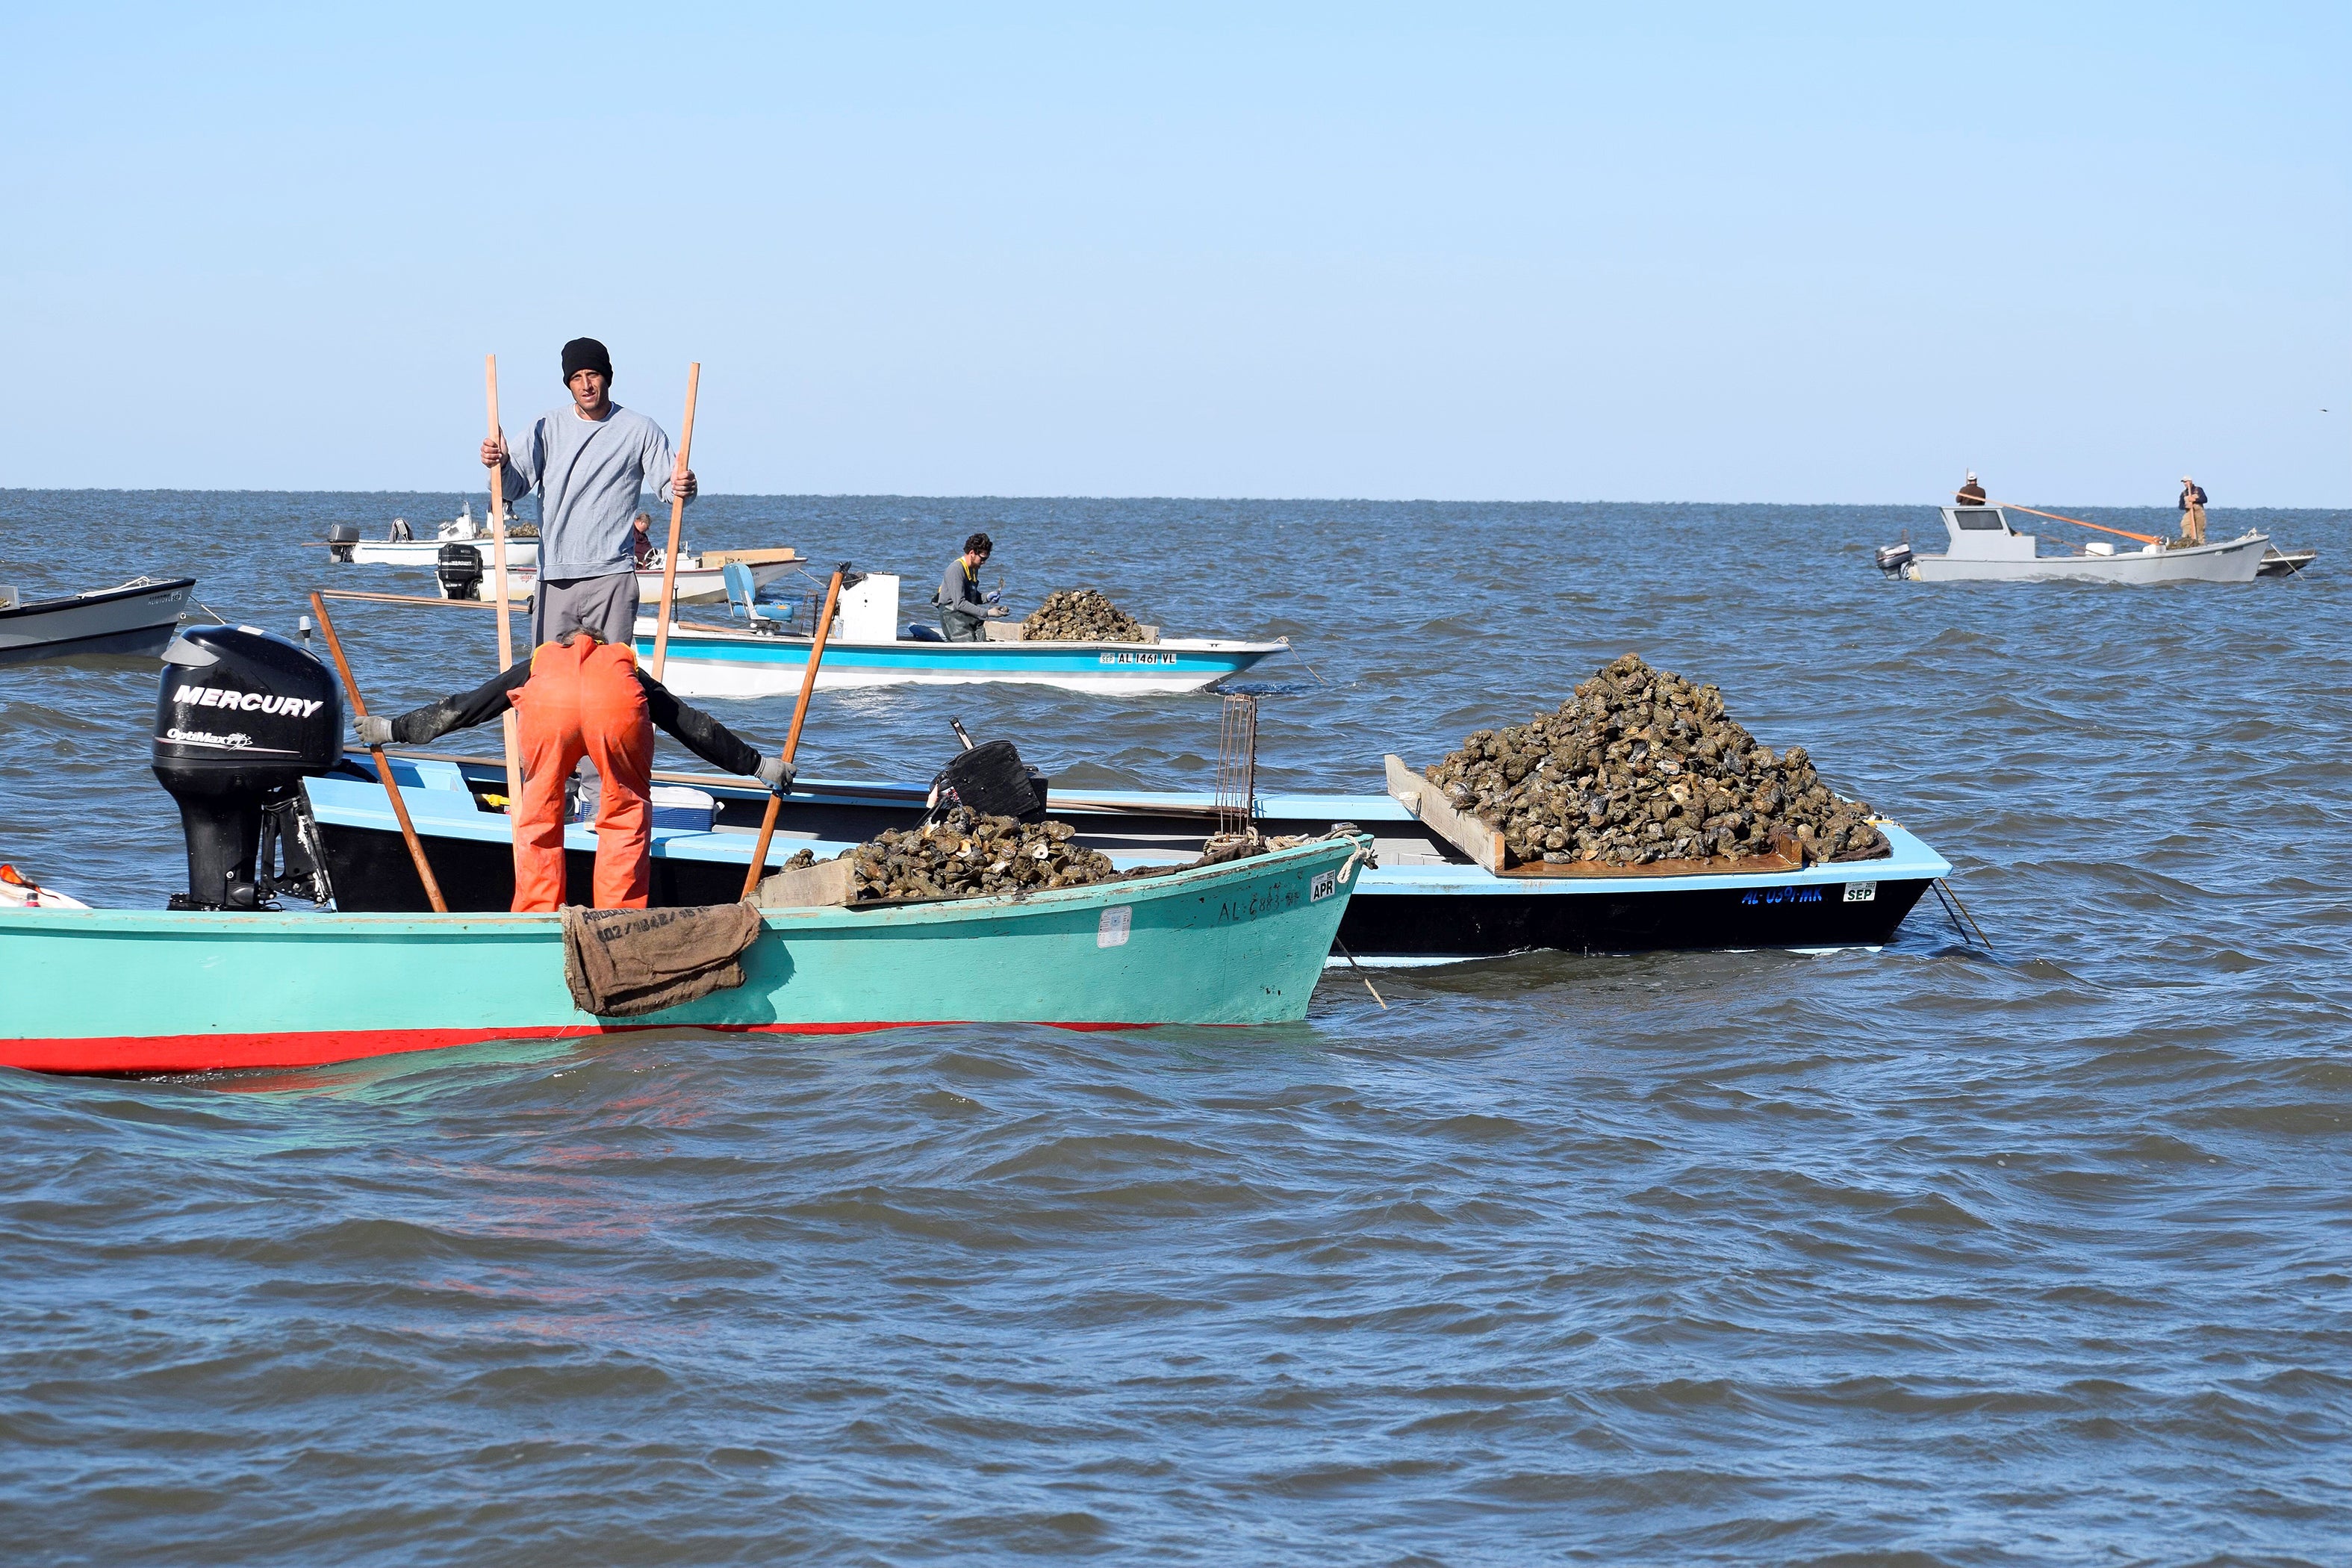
(1919, 1255)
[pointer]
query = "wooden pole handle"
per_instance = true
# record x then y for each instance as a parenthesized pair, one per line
(382, 764)
(2078, 522)
(498, 584)
(676, 522)
(793, 740)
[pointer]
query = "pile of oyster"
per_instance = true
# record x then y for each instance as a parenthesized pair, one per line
(1080, 615)
(1639, 766)
(965, 856)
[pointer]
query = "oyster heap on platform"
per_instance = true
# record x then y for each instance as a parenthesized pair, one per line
(964, 856)
(1640, 765)
(1080, 615)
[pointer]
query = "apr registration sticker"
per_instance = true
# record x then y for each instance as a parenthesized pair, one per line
(1323, 887)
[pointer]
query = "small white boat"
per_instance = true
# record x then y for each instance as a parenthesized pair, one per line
(463, 529)
(139, 617)
(757, 655)
(1987, 547)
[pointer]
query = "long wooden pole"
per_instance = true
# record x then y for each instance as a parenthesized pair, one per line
(382, 764)
(793, 740)
(499, 582)
(676, 522)
(2078, 522)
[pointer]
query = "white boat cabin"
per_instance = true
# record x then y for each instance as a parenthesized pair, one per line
(1983, 534)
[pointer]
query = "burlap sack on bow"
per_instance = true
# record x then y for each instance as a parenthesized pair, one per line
(620, 964)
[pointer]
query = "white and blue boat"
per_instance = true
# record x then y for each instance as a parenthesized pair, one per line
(764, 652)
(1425, 902)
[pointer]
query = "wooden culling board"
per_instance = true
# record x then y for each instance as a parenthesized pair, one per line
(783, 555)
(1485, 844)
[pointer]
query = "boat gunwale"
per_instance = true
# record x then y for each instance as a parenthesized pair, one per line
(1912, 857)
(695, 632)
(327, 925)
(95, 596)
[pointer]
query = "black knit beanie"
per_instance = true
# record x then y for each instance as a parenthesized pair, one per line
(586, 354)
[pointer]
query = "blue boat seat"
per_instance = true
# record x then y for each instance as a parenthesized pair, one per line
(742, 598)
(917, 632)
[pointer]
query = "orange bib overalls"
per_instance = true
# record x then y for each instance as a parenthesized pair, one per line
(584, 701)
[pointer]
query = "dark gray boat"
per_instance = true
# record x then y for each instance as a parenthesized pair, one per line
(139, 617)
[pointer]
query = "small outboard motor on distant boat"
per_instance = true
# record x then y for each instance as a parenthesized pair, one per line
(241, 717)
(1893, 559)
(341, 539)
(460, 571)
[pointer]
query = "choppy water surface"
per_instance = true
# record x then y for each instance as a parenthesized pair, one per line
(1914, 1255)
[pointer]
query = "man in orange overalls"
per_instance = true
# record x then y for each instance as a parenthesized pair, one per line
(580, 696)
(583, 699)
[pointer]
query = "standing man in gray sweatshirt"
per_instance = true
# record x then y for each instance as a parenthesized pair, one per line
(589, 462)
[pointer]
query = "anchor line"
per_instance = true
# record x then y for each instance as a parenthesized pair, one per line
(1955, 911)
(1358, 969)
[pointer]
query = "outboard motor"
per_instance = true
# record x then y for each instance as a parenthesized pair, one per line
(1894, 558)
(460, 571)
(340, 538)
(241, 718)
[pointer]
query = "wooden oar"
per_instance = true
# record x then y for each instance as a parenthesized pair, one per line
(2078, 522)
(498, 561)
(383, 763)
(676, 522)
(792, 740)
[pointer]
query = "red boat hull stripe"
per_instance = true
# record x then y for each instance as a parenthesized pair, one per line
(222, 1053)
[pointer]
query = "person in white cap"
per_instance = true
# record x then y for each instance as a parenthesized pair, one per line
(2192, 511)
(1970, 493)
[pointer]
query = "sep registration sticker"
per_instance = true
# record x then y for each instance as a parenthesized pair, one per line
(1861, 892)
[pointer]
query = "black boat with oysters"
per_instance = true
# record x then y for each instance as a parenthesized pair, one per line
(1638, 817)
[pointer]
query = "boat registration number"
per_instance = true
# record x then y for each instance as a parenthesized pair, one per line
(1861, 892)
(1135, 659)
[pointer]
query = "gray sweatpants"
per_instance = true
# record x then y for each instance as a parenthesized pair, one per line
(606, 605)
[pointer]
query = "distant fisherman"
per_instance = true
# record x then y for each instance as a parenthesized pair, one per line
(962, 606)
(589, 462)
(2192, 511)
(1970, 493)
(580, 697)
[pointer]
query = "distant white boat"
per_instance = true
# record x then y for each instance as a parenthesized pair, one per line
(139, 617)
(396, 551)
(1985, 548)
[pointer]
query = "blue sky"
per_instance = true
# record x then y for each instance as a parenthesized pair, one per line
(1542, 253)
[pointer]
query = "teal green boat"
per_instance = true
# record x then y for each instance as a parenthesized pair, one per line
(104, 991)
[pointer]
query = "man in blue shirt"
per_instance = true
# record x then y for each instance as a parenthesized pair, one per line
(590, 462)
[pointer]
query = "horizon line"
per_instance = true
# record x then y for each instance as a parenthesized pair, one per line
(1225, 500)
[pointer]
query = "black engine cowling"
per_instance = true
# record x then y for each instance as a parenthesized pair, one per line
(241, 718)
(460, 569)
